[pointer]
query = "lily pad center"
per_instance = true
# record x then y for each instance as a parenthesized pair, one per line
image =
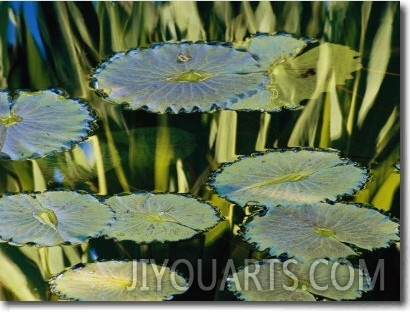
(48, 217)
(190, 76)
(10, 120)
(322, 231)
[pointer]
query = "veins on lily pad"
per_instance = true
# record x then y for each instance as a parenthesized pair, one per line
(174, 77)
(52, 218)
(33, 124)
(148, 217)
(273, 280)
(118, 281)
(266, 74)
(288, 176)
(320, 230)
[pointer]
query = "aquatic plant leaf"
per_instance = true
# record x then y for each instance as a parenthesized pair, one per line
(294, 79)
(147, 217)
(270, 50)
(37, 123)
(180, 77)
(320, 230)
(52, 218)
(281, 177)
(273, 280)
(309, 74)
(264, 101)
(118, 281)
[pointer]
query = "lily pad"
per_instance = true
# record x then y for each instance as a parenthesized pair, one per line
(52, 218)
(118, 281)
(273, 280)
(320, 230)
(180, 77)
(311, 73)
(270, 50)
(305, 77)
(147, 217)
(33, 124)
(290, 176)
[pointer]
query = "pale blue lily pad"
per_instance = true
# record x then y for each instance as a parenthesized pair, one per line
(187, 77)
(269, 50)
(52, 218)
(292, 176)
(147, 217)
(34, 124)
(273, 280)
(118, 281)
(320, 230)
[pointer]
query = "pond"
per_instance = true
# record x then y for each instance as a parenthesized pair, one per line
(249, 160)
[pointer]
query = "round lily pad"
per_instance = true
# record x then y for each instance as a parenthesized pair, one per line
(147, 217)
(118, 281)
(52, 218)
(180, 77)
(273, 280)
(320, 230)
(290, 176)
(33, 124)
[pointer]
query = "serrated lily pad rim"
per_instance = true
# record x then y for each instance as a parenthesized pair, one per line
(306, 39)
(67, 243)
(264, 261)
(127, 106)
(92, 121)
(248, 219)
(82, 265)
(366, 175)
(238, 293)
(217, 213)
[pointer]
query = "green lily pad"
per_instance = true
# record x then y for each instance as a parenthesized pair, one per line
(52, 218)
(118, 281)
(34, 124)
(305, 77)
(320, 230)
(311, 73)
(147, 217)
(273, 280)
(283, 177)
(180, 77)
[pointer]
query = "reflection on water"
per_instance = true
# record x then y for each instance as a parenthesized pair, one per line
(58, 44)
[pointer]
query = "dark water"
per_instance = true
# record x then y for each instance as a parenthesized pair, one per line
(57, 45)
